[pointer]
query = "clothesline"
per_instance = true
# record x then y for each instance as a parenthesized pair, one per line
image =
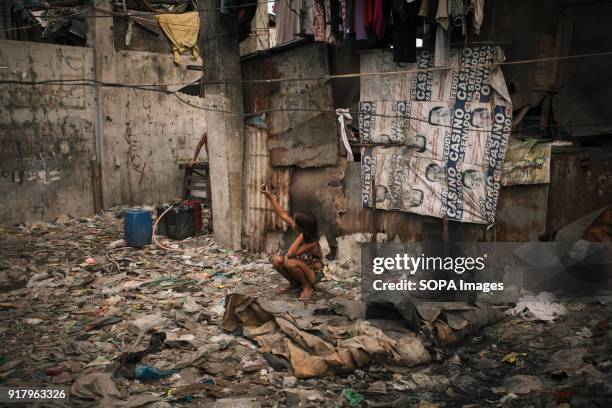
(161, 89)
(326, 77)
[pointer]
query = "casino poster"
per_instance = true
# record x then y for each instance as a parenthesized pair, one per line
(439, 158)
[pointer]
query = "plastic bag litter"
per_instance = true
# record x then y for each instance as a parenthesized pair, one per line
(543, 307)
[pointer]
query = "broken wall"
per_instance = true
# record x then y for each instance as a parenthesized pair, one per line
(47, 147)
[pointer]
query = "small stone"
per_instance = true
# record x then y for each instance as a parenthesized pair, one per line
(289, 382)
(293, 399)
(33, 321)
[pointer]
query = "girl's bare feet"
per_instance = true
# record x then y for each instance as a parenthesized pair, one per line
(306, 293)
(287, 289)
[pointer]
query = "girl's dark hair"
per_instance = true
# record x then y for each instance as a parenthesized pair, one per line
(307, 224)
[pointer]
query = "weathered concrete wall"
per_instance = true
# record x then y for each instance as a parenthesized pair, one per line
(48, 151)
(46, 133)
(298, 136)
(144, 134)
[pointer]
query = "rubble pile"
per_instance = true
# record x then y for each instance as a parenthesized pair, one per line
(200, 324)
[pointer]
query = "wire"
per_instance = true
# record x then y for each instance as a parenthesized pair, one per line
(557, 125)
(91, 82)
(109, 13)
(332, 77)
(266, 111)
(153, 235)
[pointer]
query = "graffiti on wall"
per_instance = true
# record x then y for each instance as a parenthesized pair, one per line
(135, 156)
(43, 170)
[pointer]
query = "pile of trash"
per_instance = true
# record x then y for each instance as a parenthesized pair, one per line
(127, 327)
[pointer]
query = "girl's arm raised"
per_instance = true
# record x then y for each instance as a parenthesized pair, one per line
(277, 208)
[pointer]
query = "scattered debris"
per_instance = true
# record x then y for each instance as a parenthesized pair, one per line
(522, 384)
(542, 307)
(218, 336)
(353, 398)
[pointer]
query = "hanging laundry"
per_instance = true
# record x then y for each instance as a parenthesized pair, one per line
(368, 14)
(405, 20)
(478, 14)
(456, 11)
(330, 36)
(334, 11)
(349, 22)
(182, 31)
(442, 14)
(319, 20)
(343, 16)
(455, 8)
(360, 29)
(307, 17)
(288, 19)
(442, 34)
(428, 11)
(379, 19)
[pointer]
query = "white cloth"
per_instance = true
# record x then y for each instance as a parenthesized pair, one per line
(344, 113)
(442, 57)
(287, 19)
(541, 307)
(478, 15)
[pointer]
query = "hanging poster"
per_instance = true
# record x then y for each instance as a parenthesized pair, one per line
(438, 149)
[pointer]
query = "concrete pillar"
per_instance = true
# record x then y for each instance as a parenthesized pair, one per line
(221, 61)
(99, 38)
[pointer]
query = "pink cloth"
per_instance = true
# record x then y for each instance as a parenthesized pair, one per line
(379, 19)
(319, 21)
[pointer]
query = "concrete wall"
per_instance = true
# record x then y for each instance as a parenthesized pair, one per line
(144, 134)
(46, 133)
(48, 150)
(299, 138)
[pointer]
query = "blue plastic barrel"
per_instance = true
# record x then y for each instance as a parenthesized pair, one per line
(137, 227)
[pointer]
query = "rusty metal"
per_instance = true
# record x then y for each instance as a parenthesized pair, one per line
(580, 182)
(259, 216)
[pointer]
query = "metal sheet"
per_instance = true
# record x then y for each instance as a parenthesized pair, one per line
(521, 216)
(259, 215)
(521, 213)
(580, 182)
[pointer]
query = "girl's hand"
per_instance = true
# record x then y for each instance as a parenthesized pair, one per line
(264, 188)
